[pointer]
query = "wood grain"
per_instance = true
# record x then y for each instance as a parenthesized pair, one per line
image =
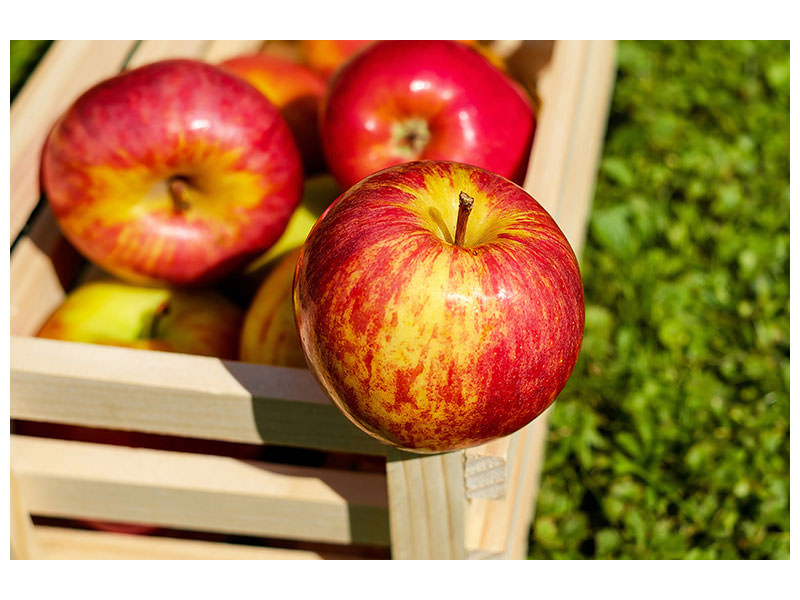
(176, 394)
(60, 478)
(58, 543)
(427, 505)
(24, 541)
(220, 50)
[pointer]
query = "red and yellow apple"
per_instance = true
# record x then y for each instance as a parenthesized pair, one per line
(325, 56)
(269, 335)
(430, 327)
(399, 101)
(296, 90)
(153, 318)
(175, 172)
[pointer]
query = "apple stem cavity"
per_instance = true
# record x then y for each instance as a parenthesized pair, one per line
(177, 191)
(465, 203)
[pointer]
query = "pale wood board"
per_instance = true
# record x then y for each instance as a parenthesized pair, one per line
(149, 51)
(427, 505)
(58, 543)
(67, 69)
(219, 50)
(24, 541)
(176, 394)
(60, 478)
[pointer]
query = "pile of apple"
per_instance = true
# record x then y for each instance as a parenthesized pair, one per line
(358, 214)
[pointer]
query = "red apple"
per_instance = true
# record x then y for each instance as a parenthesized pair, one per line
(431, 328)
(269, 335)
(296, 90)
(398, 101)
(154, 318)
(174, 172)
(325, 56)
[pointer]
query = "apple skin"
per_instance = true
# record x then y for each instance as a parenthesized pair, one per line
(296, 90)
(399, 101)
(269, 335)
(325, 56)
(319, 192)
(115, 313)
(110, 160)
(429, 346)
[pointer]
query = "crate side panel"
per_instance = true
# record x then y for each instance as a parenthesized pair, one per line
(176, 394)
(61, 478)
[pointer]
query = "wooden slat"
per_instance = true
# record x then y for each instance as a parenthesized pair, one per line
(67, 69)
(589, 121)
(152, 50)
(527, 489)
(24, 542)
(176, 394)
(426, 505)
(220, 50)
(60, 478)
(58, 543)
(494, 527)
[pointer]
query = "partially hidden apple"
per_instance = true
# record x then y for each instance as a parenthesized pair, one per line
(269, 335)
(120, 314)
(115, 313)
(296, 90)
(174, 172)
(325, 56)
(439, 305)
(398, 101)
(319, 192)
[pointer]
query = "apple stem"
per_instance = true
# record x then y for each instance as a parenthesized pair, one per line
(162, 310)
(177, 191)
(465, 203)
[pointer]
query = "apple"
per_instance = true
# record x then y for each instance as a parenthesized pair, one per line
(154, 318)
(399, 101)
(296, 90)
(175, 172)
(439, 305)
(318, 193)
(325, 56)
(269, 335)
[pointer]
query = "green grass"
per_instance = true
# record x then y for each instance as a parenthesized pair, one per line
(671, 439)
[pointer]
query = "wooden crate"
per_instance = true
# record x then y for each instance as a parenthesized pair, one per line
(354, 498)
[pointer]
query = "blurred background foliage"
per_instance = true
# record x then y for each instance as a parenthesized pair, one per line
(24, 56)
(671, 439)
